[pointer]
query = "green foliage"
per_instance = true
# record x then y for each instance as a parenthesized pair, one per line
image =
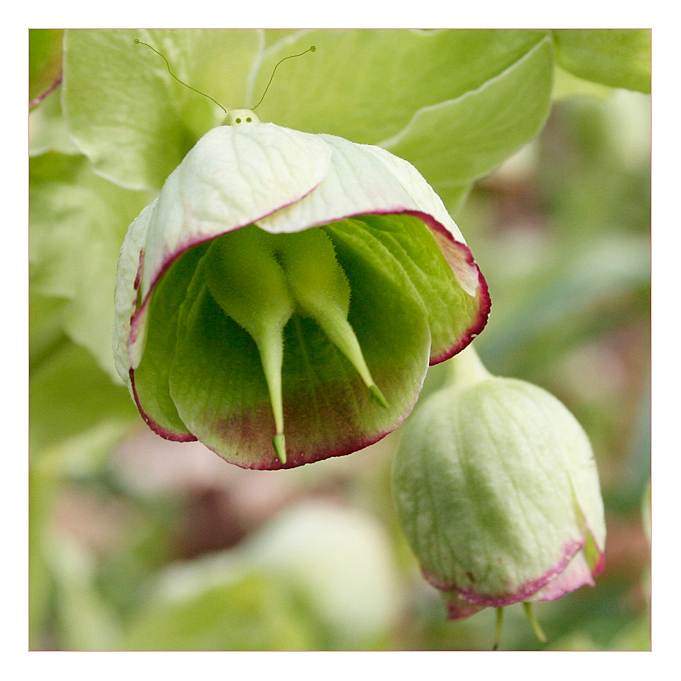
(78, 221)
(564, 247)
(267, 614)
(44, 61)
(619, 58)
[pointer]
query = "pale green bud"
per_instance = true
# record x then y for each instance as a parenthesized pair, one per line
(497, 491)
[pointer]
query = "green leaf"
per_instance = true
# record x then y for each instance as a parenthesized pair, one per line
(46, 129)
(566, 84)
(135, 122)
(44, 61)
(130, 117)
(365, 85)
(85, 620)
(615, 57)
(255, 611)
(40, 503)
(78, 221)
(69, 394)
(464, 138)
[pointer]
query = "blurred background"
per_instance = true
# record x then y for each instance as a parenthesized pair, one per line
(140, 543)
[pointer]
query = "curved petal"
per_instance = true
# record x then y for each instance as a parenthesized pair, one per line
(357, 183)
(217, 383)
(368, 180)
(364, 180)
(232, 177)
(404, 248)
(127, 288)
(576, 574)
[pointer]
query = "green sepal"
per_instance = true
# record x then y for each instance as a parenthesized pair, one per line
(217, 383)
(152, 376)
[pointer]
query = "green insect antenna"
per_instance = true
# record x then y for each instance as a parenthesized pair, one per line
(139, 42)
(291, 56)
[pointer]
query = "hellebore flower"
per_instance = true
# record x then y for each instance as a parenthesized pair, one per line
(289, 289)
(497, 492)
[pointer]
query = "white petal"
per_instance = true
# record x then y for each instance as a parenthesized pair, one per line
(126, 291)
(232, 177)
(357, 183)
(419, 190)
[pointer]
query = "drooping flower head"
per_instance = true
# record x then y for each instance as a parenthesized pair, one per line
(498, 494)
(283, 297)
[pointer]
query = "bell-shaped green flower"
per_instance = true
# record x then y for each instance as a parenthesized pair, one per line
(282, 298)
(498, 494)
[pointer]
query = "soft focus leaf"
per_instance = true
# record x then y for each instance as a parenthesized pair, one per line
(46, 129)
(615, 57)
(565, 84)
(608, 266)
(87, 621)
(340, 557)
(484, 126)
(365, 85)
(78, 221)
(136, 123)
(127, 113)
(68, 395)
(255, 611)
(44, 61)
(41, 495)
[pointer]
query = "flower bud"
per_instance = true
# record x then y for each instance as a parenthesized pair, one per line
(283, 297)
(497, 492)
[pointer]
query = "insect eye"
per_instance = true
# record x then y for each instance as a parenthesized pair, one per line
(238, 120)
(248, 120)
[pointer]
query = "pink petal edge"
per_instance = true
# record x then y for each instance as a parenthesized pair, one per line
(446, 246)
(529, 588)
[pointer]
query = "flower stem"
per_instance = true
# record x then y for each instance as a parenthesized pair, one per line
(533, 622)
(497, 630)
(466, 368)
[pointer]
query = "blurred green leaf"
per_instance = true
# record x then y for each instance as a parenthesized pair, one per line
(646, 511)
(615, 57)
(78, 222)
(45, 318)
(566, 84)
(341, 559)
(366, 85)
(254, 612)
(129, 116)
(636, 636)
(46, 129)
(600, 269)
(135, 122)
(41, 495)
(484, 126)
(70, 396)
(44, 61)
(86, 621)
